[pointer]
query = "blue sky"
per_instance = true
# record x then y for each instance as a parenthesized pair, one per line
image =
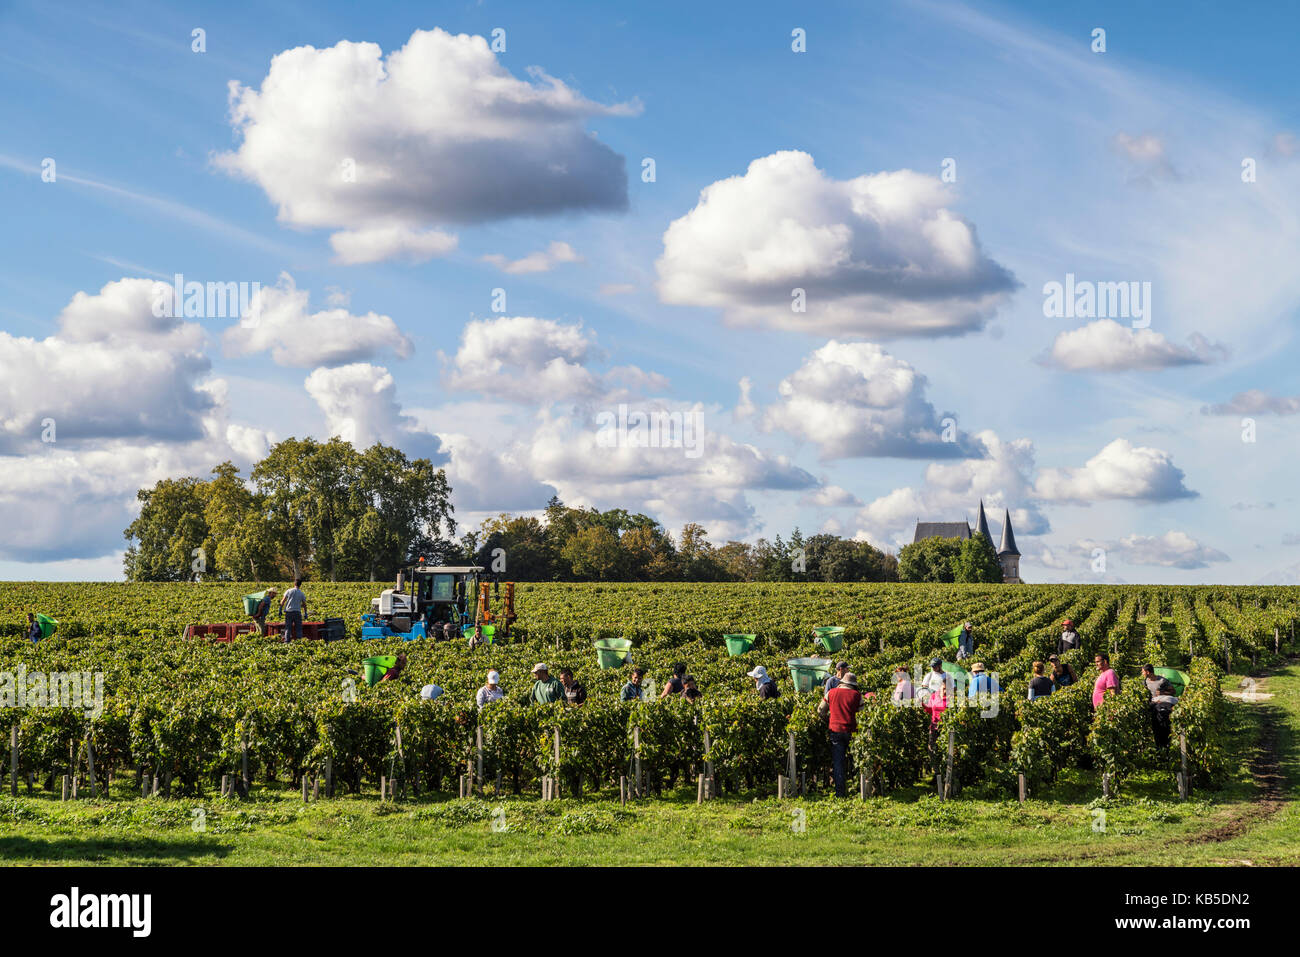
(824, 170)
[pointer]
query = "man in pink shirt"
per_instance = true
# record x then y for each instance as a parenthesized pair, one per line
(1107, 681)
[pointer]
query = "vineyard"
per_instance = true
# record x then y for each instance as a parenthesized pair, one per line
(189, 713)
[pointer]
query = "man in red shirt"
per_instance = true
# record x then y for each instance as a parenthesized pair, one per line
(841, 705)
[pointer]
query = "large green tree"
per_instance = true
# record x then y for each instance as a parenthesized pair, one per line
(929, 560)
(977, 561)
(166, 541)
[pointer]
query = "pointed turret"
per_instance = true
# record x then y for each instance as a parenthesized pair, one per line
(982, 524)
(1008, 546)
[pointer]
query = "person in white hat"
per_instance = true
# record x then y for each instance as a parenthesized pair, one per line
(491, 691)
(763, 683)
(430, 692)
(545, 688)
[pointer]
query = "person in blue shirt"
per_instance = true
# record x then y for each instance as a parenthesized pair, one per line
(981, 682)
(632, 691)
(833, 680)
(34, 628)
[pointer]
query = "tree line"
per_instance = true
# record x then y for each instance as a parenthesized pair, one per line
(329, 511)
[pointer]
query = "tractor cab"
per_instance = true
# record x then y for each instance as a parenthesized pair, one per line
(438, 601)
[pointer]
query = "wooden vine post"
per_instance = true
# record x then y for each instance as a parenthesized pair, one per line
(708, 766)
(478, 760)
(636, 758)
(952, 754)
(13, 760)
(556, 787)
(243, 761)
(90, 764)
(1185, 782)
(791, 761)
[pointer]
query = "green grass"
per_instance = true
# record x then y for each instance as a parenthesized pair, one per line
(1147, 825)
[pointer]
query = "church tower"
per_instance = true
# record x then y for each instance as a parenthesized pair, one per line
(1008, 554)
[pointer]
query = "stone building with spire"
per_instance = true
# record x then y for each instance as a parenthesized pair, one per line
(1008, 554)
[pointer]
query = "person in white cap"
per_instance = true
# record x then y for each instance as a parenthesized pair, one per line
(763, 682)
(545, 688)
(430, 692)
(491, 691)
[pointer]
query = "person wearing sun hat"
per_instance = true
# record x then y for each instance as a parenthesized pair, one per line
(840, 708)
(981, 682)
(545, 688)
(489, 692)
(763, 683)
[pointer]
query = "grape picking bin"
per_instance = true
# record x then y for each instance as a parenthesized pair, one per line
(1176, 678)
(48, 625)
(832, 639)
(738, 644)
(808, 673)
(252, 601)
(613, 652)
(377, 667)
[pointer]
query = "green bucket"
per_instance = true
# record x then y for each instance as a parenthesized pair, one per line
(960, 677)
(1176, 678)
(613, 652)
(376, 667)
(489, 632)
(738, 644)
(252, 601)
(48, 625)
(832, 639)
(808, 673)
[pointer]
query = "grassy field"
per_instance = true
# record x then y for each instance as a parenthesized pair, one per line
(1252, 822)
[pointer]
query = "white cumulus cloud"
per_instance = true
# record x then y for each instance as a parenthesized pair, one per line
(385, 148)
(854, 399)
(879, 255)
(1121, 470)
(1107, 346)
(281, 323)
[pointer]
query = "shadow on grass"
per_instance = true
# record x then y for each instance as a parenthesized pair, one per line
(109, 850)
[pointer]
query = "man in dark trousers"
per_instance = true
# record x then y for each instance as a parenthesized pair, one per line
(294, 604)
(840, 705)
(1163, 700)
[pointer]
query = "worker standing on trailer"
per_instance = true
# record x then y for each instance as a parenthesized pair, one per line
(263, 609)
(545, 688)
(294, 604)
